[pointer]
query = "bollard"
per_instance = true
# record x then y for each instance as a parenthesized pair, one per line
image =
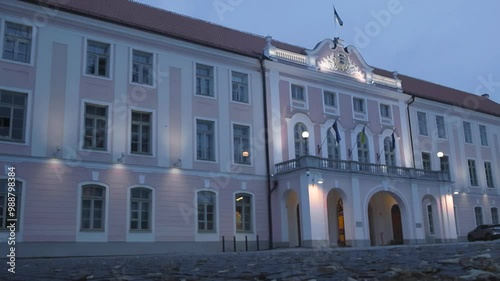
(257, 242)
(234, 243)
(246, 243)
(223, 245)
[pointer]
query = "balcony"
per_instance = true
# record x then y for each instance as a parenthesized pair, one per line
(313, 162)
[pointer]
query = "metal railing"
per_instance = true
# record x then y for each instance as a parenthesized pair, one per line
(358, 167)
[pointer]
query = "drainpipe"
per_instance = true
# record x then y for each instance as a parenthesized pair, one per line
(408, 103)
(266, 140)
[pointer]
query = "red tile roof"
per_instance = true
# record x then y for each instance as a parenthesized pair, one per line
(151, 19)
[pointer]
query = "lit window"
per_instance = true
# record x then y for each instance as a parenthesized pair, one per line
(472, 172)
(240, 86)
(422, 123)
(205, 140)
(140, 209)
(385, 111)
(206, 211)
(358, 105)
(93, 207)
(141, 132)
(329, 99)
(95, 127)
(478, 211)
(426, 161)
(204, 80)
(17, 42)
(441, 130)
(98, 58)
(142, 67)
(243, 212)
(483, 134)
(298, 92)
(241, 143)
(489, 174)
(12, 116)
(6, 216)
(467, 132)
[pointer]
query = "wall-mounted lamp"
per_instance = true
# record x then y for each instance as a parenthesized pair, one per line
(440, 154)
(456, 192)
(320, 180)
(56, 152)
(120, 159)
(177, 162)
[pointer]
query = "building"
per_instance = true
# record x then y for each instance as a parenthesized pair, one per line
(135, 130)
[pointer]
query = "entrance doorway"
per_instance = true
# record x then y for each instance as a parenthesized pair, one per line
(397, 228)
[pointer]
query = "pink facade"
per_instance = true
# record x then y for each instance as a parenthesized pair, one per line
(129, 141)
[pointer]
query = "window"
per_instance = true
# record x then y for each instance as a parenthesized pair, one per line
(489, 174)
(17, 42)
(431, 221)
(206, 211)
(329, 99)
(204, 80)
(445, 165)
(472, 172)
(332, 146)
(298, 92)
(478, 211)
(301, 143)
(142, 67)
(243, 212)
(205, 140)
(95, 127)
(483, 135)
(98, 58)
(358, 105)
(5, 215)
(140, 209)
(426, 161)
(494, 215)
(441, 130)
(93, 209)
(241, 142)
(141, 132)
(12, 116)
(422, 123)
(467, 132)
(385, 111)
(363, 150)
(390, 156)
(240, 86)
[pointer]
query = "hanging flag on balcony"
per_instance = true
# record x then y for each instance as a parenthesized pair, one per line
(336, 129)
(337, 17)
(362, 137)
(393, 142)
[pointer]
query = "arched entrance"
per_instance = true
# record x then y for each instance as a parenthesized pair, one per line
(293, 218)
(336, 218)
(386, 217)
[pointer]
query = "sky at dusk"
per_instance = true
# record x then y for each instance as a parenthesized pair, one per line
(449, 42)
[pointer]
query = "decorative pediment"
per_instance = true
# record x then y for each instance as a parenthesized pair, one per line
(340, 62)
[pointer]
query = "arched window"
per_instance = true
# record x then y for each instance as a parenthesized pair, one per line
(243, 212)
(140, 209)
(390, 159)
(333, 147)
(93, 207)
(363, 150)
(301, 144)
(206, 211)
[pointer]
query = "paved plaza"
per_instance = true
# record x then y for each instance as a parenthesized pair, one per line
(460, 261)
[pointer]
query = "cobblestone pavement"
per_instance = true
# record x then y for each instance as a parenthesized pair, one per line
(461, 261)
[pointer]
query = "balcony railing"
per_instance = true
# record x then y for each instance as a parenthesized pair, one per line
(357, 167)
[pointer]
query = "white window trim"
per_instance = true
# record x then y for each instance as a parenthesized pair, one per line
(111, 57)
(474, 214)
(4, 235)
(369, 138)
(92, 236)
(444, 126)
(82, 125)
(335, 108)
(251, 150)
(290, 123)
(433, 221)
(153, 132)
(426, 122)
(29, 112)
(469, 175)
(154, 67)
(487, 136)
(215, 69)
(231, 87)
(326, 128)
(207, 236)
(491, 213)
(471, 132)
(305, 102)
(141, 236)
(387, 133)
(240, 236)
(34, 33)
(216, 140)
(365, 106)
(390, 119)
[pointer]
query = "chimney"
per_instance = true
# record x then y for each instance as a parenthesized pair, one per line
(485, 96)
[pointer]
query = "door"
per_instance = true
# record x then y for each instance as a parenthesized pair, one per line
(397, 229)
(340, 220)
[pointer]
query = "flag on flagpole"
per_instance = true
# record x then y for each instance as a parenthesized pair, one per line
(393, 142)
(362, 137)
(337, 17)
(336, 129)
